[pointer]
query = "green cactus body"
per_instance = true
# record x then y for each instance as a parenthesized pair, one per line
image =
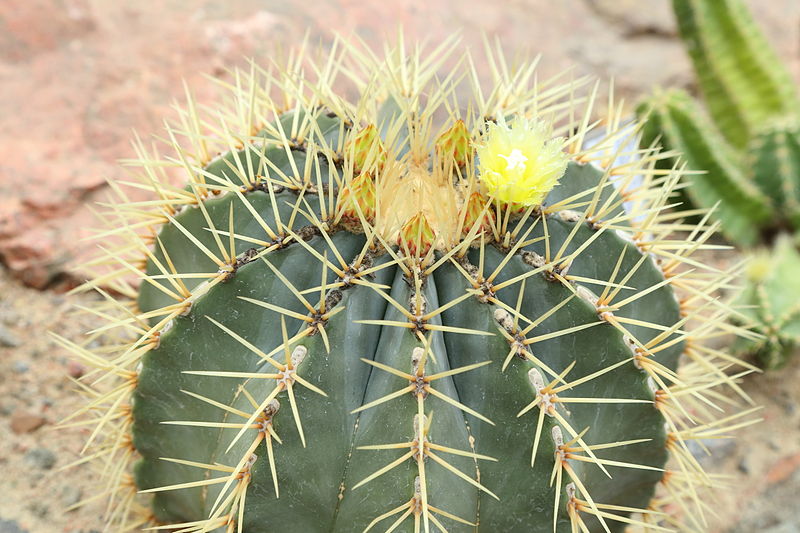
(742, 79)
(677, 121)
(774, 164)
(359, 319)
(769, 303)
(749, 156)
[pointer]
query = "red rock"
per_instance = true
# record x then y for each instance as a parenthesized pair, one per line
(783, 469)
(35, 26)
(75, 369)
(22, 422)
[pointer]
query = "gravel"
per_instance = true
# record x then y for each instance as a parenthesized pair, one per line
(783, 528)
(40, 458)
(8, 340)
(71, 495)
(11, 526)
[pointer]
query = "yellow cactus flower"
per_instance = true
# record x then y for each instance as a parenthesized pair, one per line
(760, 266)
(520, 163)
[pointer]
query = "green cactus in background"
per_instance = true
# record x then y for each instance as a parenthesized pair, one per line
(770, 300)
(749, 148)
(388, 314)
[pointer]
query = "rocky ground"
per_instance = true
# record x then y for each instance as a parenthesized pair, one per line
(36, 394)
(76, 76)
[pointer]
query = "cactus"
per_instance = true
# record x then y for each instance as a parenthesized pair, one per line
(390, 314)
(769, 300)
(747, 145)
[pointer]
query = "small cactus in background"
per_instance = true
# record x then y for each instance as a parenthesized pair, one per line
(391, 314)
(770, 300)
(748, 150)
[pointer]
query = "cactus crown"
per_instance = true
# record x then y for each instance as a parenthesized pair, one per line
(395, 314)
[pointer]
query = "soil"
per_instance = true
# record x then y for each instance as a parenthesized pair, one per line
(36, 393)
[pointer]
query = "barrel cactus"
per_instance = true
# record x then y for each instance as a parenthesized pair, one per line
(746, 148)
(401, 311)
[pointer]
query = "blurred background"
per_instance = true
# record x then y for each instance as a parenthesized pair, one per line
(78, 76)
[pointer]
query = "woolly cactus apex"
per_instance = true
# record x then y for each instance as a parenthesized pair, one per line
(453, 336)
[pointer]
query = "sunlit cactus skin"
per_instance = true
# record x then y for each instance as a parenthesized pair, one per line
(338, 326)
(746, 141)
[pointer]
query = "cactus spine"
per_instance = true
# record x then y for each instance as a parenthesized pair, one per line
(343, 323)
(749, 148)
